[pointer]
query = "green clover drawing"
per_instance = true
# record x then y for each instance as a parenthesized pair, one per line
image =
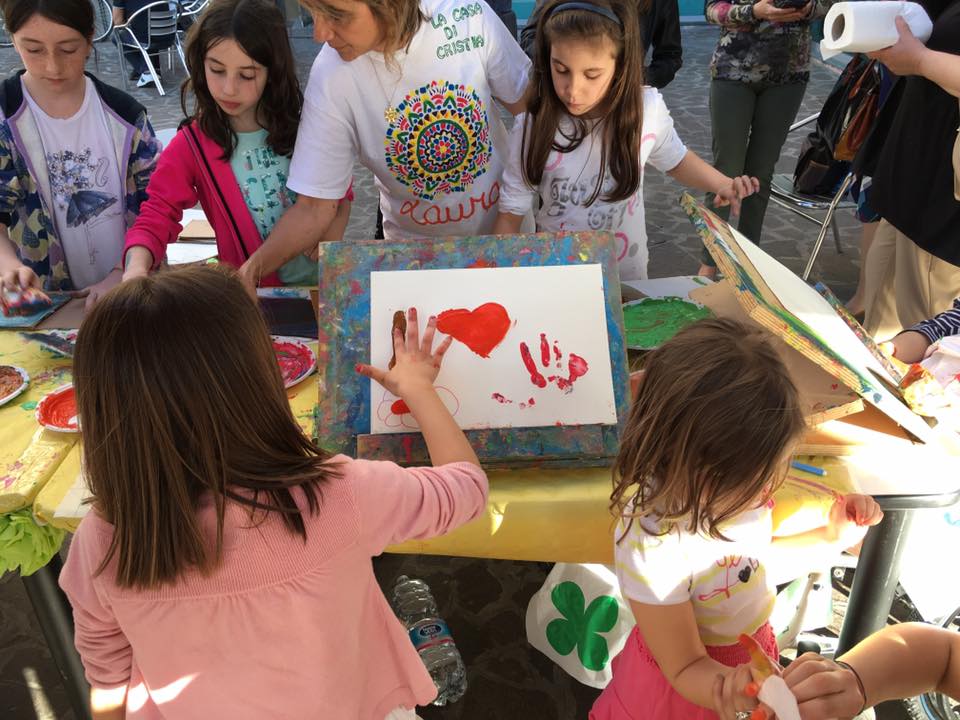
(580, 628)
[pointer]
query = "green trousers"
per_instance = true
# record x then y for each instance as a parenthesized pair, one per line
(750, 123)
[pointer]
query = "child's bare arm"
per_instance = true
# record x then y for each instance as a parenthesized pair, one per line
(850, 517)
(694, 172)
(671, 634)
(507, 224)
(14, 275)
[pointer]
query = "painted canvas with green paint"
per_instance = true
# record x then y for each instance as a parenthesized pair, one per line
(652, 321)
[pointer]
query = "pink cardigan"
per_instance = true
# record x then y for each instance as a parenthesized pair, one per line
(282, 628)
(191, 169)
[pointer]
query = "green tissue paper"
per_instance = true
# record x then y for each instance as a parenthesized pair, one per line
(24, 545)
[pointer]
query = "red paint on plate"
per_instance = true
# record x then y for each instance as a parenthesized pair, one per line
(13, 381)
(295, 358)
(58, 410)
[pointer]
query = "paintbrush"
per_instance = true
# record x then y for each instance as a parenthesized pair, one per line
(57, 343)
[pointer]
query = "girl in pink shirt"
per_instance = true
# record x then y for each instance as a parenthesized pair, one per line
(225, 568)
(232, 153)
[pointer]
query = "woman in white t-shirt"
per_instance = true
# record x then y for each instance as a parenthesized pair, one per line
(590, 128)
(405, 87)
(75, 156)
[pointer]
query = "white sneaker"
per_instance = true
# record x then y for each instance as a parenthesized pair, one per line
(146, 80)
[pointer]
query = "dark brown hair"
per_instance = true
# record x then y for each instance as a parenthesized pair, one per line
(399, 20)
(622, 109)
(709, 431)
(180, 397)
(259, 29)
(75, 14)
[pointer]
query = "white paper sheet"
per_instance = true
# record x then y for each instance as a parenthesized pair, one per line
(72, 505)
(563, 303)
(680, 286)
(181, 253)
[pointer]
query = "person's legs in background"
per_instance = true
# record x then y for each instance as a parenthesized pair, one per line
(924, 285)
(776, 109)
(731, 112)
(880, 312)
(869, 219)
(857, 304)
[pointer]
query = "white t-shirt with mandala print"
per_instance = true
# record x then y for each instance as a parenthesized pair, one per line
(425, 124)
(569, 180)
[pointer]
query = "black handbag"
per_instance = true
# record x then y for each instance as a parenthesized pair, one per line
(843, 123)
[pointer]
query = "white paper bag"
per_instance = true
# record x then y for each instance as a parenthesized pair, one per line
(579, 620)
(870, 25)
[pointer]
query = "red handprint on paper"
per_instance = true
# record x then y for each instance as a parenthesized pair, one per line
(551, 358)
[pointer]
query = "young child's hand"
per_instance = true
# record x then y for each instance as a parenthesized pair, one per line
(19, 279)
(735, 691)
(907, 347)
(851, 516)
(733, 190)
(417, 365)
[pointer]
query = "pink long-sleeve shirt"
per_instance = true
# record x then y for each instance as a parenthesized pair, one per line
(282, 628)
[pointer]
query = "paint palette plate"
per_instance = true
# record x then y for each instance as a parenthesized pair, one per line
(58, 410)
(652, 321)
(295, 358)
(13, 381)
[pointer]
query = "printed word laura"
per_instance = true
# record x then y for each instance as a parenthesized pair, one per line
(464, 210)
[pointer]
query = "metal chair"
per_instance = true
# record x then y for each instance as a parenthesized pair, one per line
(190, 10)
(783, 194)
(102, 19)
(161, 24)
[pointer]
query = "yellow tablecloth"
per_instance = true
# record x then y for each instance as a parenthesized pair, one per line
(28, 454)
(543, 515)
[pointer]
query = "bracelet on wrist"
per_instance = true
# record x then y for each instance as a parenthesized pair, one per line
(856, 675)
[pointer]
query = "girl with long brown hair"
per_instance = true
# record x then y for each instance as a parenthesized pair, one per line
(232, 155)
(709, 438)
(589, 129)
(224, 569)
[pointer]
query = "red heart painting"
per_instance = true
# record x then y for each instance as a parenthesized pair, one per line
(480, 329)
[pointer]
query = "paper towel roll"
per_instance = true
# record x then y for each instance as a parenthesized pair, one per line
(867, 25)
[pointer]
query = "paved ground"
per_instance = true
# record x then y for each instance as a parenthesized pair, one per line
(484, 601)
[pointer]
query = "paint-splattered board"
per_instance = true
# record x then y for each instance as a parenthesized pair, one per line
(823, 397)
(343, 421)
(781, 302)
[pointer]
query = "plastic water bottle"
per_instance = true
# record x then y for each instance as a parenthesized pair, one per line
(417, 610)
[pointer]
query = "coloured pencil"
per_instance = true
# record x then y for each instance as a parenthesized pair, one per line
(808, 468)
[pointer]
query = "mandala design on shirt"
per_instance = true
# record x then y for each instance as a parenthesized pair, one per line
(439, 140)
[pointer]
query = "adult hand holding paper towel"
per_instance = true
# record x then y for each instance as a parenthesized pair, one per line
(870, 25)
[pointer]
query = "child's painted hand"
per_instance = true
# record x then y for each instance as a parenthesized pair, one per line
(18, 279)
(736, 691)
(851, 516)
(416, 363)
(733, 190)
